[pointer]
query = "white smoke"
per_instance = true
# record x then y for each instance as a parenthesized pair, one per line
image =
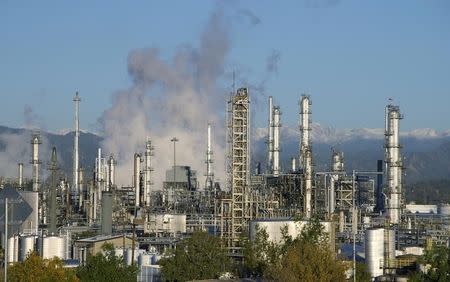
(171, 98)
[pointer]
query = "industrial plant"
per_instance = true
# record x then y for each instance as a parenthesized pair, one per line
(364, 212)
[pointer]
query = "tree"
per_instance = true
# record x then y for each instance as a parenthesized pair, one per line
(362, 274)
(437, 261)
(106, 267)
(34, 268)
(308, 258)
(259, 254)
(195, 258)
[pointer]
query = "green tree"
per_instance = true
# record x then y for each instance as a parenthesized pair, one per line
(437, 260)
(198, 257)
(259, 254)
(362, 274)
(308, 258)
(36, 269)
(106, 267)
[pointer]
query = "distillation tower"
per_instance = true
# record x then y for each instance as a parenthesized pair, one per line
(76, 166)
(209, 185)
(276, 140)
(137, 178)
(305, 151)
(270, 138)
(337, 169)
(394, 164)
(147, 172)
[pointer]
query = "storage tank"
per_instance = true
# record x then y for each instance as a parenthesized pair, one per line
(374, 251)
(27, 244)
(52, 246)
(129, 255)
(444, 209)
(145, 259)
(13, 249)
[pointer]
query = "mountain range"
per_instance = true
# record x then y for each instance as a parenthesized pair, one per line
(426, 152)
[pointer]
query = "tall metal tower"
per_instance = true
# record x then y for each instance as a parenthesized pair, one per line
(305, 151)
(276, 140)
(394, 163)
(53, 167)
(209, 185)
(239, 162)
(136, 179)
(75, 187)
(148, 172)
(35, 162)
(270, 138)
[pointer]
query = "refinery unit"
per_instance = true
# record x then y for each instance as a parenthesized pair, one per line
(364, 212)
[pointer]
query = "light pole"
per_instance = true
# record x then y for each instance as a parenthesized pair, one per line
(174, 140)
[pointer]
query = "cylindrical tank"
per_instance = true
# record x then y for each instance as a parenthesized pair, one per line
(444, 209)
(145, 259)
(27, 244)
(13, 249)
(52, 246)
(374, 251)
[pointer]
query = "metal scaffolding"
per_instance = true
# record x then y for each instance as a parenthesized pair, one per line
(238, 168)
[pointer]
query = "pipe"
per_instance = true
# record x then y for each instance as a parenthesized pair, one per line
(276, 141)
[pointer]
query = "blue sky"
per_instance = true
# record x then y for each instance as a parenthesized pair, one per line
(351, 56)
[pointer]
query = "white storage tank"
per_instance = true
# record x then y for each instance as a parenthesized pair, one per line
(13, 249)
(444, 209)
(27, 246)
(274, 226)
(145, 259)
(52, 246)
(374, 251)
(129, 255)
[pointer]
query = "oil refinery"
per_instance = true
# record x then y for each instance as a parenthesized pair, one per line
(364, 212)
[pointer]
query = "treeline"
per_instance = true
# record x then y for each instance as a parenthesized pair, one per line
(308, 257)
(429, 192)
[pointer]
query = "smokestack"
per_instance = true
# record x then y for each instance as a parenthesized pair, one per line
(379, 192)
(35, 142)
(52, 215)
(270, 140)
(75, 188)
(147, 172)
(20, 175)
(276, 140)
(305, 151)
(136, 175)
(209, 173)
(394, 163)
